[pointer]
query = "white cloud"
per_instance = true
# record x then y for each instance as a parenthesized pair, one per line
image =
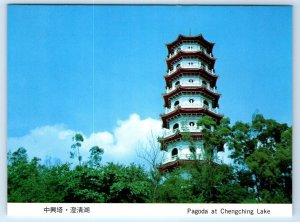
(119, 145)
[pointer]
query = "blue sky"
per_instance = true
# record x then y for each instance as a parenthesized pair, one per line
(85, 68)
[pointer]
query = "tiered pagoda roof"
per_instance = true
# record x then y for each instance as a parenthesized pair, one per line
(198, 39)
(212, 78)
(191, 111)
(194, 90)
(191, 55)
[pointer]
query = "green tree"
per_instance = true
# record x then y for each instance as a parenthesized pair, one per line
(125, 184)
(24, 177)
(176, 187)
(217, 183)
(54, 182)
(111, 183)
(78, 139)
(263, 150)
(84, 185)
(215, 135)
(95, 156)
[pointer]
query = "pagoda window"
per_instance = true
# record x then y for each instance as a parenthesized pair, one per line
(175, 126)
(192, 124)
(192, 149)
(191, 80)
(206, 105)
(204, 83)
(174, 152)
(177, 83)
(191, 100)
(178, 65)
(176, 104)
(179, 49)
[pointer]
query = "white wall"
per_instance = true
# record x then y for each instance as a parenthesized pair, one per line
(184, 81)
(183, 121)
(186, 63)
(184, 101)
(183, 150)
(189, 47)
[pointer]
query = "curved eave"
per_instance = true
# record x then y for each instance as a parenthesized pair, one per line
(198, 54)
(212, 79)
(198, 38)
(171, 165)
(180, 162)
(178, 136)
(197, 111)
(192, 89)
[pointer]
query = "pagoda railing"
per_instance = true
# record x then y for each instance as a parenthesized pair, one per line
(192, 129)
(181, 157)
(212, 89)
(214, 110)
(205, 68)
(191, 50)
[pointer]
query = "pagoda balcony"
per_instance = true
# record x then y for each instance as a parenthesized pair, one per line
(201, 71)
(198, 68)
(192, 110)
(178, 136)
(187, 84)
(181, 157)
(203, 89)
(201, 55)
(171, 55)
(176, 161)
(192, 129)
(214, 110)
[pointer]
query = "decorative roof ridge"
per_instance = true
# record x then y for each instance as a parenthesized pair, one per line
(183, 37)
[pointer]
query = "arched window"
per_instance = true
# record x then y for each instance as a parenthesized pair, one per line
(206, 105)
(192, 123)
(177, 83)
(178, 65)
(176, 103)
(175, 126)
(192, 149)
(191, 100)
(174, 152)
(191, 80)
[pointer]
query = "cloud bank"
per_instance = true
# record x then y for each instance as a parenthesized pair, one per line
(52, 143)
(119, 145)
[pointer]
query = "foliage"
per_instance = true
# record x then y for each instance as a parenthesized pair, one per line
(95, 156)
(262, 173)
(215, 135)
(29, 181)
(264, 150)
(78, 139)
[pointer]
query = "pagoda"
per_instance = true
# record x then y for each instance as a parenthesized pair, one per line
(190, 94)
